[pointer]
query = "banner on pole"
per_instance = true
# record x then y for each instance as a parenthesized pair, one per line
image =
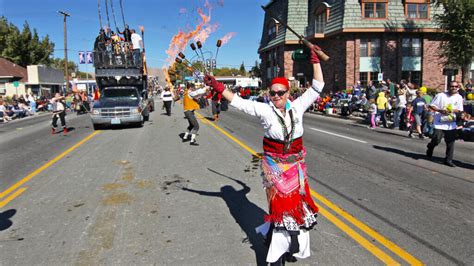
(89, 57)
(82, 59)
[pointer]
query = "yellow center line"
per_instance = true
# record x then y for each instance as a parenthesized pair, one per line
(358, 238)
(15, 194)
(46, 165)
(369, 231)
(374, 250)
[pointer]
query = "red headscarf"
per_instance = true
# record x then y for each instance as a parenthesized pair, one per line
(281, 80)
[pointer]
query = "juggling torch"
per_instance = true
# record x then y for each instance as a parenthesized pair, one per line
(219, 43)
(199, 44)
(182, 56)
(194, 48)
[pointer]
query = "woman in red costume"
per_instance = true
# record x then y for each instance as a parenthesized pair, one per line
(292, 212)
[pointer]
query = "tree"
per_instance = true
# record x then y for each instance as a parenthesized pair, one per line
(256, 70)
(242, 69)
(58, 63)
(457, 23)
(225, 71)
(25, 47)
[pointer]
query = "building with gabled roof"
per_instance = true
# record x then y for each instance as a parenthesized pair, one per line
(364, 38)
(10, 73)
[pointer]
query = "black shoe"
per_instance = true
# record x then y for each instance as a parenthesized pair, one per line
(449, 163)
(194, 143)
(429, 153)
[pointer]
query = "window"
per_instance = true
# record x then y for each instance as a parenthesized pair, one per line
(2, 89)
(412, 76)
(374, 76)
(411, 47)
(375, 9)
(363, 77)
(320, 23)
(416, 11)
(370, 48)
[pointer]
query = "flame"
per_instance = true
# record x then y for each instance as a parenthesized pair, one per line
(204, 34)
(167, 76)
(181, 39)
(227, 37)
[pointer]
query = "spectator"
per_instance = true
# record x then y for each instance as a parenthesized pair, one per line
(400, 105)
(409, 119)
(391, 87)
(4, 112)
(32, 103)
(418, 104)
(371, 91)
(426, 96)
(381, 108)
(411, 92)
(446, 105)
(372, 113)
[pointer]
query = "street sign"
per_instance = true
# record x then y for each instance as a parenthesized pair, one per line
(380, 77)
(16, 84)
(299, 55)
(82, 59)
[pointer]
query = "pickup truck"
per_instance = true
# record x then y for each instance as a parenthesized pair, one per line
(120, 106)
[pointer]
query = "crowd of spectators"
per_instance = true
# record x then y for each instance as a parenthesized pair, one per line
(17, 107)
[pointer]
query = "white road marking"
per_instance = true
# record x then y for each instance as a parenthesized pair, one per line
(337, 135)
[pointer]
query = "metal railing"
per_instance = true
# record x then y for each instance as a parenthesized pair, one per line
(118, 55)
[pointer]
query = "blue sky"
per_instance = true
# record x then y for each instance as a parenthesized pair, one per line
(161, 18)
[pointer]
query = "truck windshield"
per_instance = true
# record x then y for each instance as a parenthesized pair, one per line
(121, 93)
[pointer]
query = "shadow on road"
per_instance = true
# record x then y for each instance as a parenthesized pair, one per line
(246, 214)
(417, 156)
(5, 221)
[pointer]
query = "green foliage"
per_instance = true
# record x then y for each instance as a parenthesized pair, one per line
(58, 63)
(225, 71)
(25, 47)
(242, 69)
(256, 72)
(457, 22)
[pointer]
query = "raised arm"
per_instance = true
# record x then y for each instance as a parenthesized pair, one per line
(308, 98)
(317, 71)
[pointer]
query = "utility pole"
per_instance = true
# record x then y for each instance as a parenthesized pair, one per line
(65, 49)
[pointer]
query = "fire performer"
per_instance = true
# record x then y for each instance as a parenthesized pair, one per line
(190, 104)
(292, 212)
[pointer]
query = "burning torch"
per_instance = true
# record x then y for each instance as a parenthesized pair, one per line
(319, 52)
(219, 43)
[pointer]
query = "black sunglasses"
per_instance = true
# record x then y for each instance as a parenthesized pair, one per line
(279, 93)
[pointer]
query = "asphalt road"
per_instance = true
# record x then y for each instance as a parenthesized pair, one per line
(140, 196)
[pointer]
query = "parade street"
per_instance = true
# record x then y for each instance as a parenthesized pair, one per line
(126, 196)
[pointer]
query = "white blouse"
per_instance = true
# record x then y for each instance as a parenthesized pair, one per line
(268, 112)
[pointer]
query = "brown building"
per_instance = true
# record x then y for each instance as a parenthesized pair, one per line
(364, 38)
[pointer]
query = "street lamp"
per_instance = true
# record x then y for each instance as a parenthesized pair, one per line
(65, 48)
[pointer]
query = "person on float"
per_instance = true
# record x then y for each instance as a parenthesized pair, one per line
(292, 212)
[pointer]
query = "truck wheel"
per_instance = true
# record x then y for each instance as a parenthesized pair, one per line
(97, 126)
